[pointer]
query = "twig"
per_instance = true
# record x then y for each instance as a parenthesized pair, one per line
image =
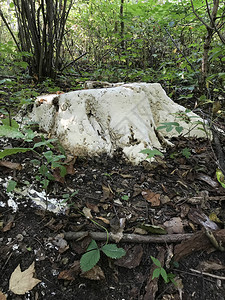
(179, 49)
(131, 238)
(208, 274)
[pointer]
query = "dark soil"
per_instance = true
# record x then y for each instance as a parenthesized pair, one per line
(28, 234)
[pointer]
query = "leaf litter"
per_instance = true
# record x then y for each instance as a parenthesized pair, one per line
(160, 200)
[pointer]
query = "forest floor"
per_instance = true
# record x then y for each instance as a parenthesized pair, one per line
(176, 193)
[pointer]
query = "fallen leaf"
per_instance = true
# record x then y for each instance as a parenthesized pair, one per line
(87, 212)
(174, 225)
(106, 221)
(207, 179)
(153, 228)
(56, 173)
(60, 243)
(95, 273)
(2, 296)
(107, 193)
(93, 207)
(207, 266)
(72, 273)
(10, 165)
(137, 190)
(151, 197)
(132, 259)
(22, 282)
(198, 217)
(69, 164)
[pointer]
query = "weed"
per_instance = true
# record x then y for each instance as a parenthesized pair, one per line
(160, 271)
(92, 255)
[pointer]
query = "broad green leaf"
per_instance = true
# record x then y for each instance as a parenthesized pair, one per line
(63, 171)
(11, 186)
(156, 261)
(151, 153)
(164, 274)
(89, 260)
(92, 246)
(179, 129)
(44, 143)
(10, 132)
(12, 151)
(6, 121)
(156, 273)
(111, 250)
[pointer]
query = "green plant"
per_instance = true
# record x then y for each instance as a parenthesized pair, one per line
(220, 177)
(92, 255)
(160, 271)
(125, 197)
(68, 197)
(11, 186)
(151, 152)
(169, 126)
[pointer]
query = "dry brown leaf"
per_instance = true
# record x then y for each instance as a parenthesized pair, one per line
(69, 164)
(207, 266)
(132, 259)
(60, 243)
(2, 296)
(174, 225)
(107, 193)
(106, 221)
(87, 212)
(95, 273)
(93, 207)
(10, 165)
(151, 197)
(22, 282)
(72, 273)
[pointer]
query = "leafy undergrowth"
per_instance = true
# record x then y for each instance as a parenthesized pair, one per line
(176, 195)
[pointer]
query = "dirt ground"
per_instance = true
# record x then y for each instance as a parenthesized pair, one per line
(177, 193)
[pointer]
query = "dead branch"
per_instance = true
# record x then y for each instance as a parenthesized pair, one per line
(130, 238)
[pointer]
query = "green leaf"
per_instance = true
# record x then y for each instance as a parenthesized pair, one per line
(12, 151)
(6, 121)
(151, 153)
(111, 250)
(11, 132)
(220, 177)
(186, 152)
(179, 129)
(89, 260)
(11, 186)
(153, 228)
(156, 273)
(164, 275)
(156, 261)
(63, 171)
(45, 143)
(92, 246)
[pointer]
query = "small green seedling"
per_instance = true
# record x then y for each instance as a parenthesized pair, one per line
(11, 186)
(68, 197)
(125, 197)
(186, 152)
(92, 255)
(151, 153)
(160, 271)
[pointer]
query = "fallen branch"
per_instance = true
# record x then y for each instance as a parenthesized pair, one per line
(208, 274)
(130, 238)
